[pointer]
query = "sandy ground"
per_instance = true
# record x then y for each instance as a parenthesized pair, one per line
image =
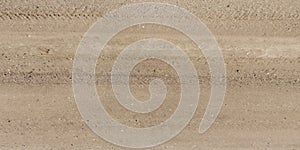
(260, 41)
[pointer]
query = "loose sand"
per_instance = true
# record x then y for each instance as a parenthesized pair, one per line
(260, 41)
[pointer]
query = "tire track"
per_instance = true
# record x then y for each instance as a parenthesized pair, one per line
(229, 9)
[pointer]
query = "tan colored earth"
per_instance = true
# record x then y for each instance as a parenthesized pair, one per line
(260, 41)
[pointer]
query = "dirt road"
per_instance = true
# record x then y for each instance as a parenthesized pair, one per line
(260, 41)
